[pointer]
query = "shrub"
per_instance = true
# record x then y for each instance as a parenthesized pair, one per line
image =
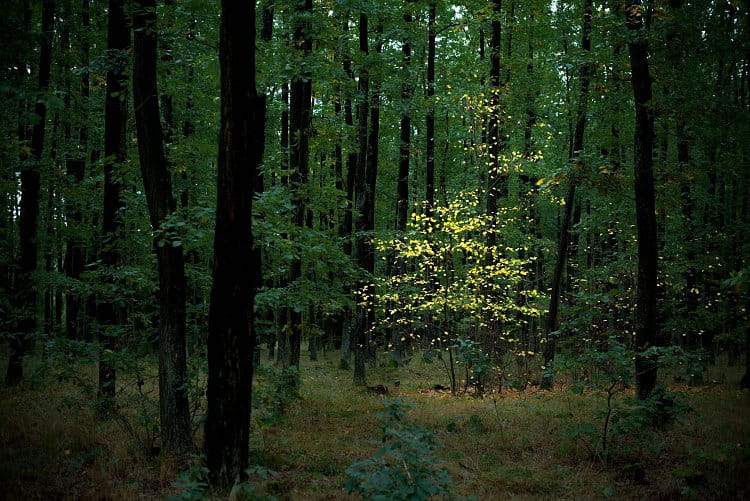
(404, 468)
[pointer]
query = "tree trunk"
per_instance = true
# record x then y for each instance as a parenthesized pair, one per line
(29, 217)
(402, 200)
(347, 229)
(173, 401)
(430, 119)
(360, 193)
(76, 170)
(282, 354)
(299, 131)
(115, 153)
(497, 179)
(402, 189)
(646, 298)
(576, 165)
(230, 342)
(373, 144)
(745, 381)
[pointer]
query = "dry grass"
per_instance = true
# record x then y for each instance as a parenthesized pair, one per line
(515, 444)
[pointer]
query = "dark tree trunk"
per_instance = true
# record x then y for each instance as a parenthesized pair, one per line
(230, 341)
(115, 152)
(402, 189)
(282, 354)
(646, 299)
(373, 144)
(266, 34)
(347, 230)
(576, 164)
(430, 119)
(75, 170)
(497, 179)
(173, 401)
(528, 133)
(360, 193)
(50, 237)
(745, 381)
(402, 201)
(266, 16)
(28, 220)
(299, 131)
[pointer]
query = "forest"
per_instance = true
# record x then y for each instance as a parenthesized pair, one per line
(375, 249)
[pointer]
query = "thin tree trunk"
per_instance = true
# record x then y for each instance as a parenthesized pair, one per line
(347, 230)
(497, 179)
(402, 189)
(29, 205)
(564, 236)
(115, 153)
(360, 193)
(373, 144)
(282, 354)
(173, 401)
(76, 170)
(299, 130)
(646, 299)
(430, 118)
(230, 341)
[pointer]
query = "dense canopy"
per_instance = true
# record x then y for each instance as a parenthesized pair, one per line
(535, 209)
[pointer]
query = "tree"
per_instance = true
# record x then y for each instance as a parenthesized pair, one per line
(576, 164)
(430, 117)
(115, 152)
(30, 180)
(404, 156)
(230, 339)
(76, 170)
(362, 325)
(299, 130)
(646, 301)
(157, 181)
(497, 179)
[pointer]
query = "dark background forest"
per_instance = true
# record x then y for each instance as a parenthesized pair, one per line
(375, 249)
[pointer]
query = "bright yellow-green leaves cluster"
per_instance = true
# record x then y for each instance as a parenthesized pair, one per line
(444, 274)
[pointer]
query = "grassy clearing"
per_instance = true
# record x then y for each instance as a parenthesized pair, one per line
(526, 445)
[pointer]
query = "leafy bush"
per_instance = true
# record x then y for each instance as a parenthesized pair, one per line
(404, 467)
(277, 395)
(476, 364)
(191, 484)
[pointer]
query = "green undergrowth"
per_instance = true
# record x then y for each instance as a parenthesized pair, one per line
(527, 445)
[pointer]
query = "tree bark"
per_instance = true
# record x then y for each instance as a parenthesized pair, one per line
(646, 298)
(115, 153)
(402, 200)
(496, 179)
(299, 130)
(76, 170)
(430, 118)
(402, 185)
(230, 341)
(360, 194)
(174, 411)
(29, 217)
(347, 230)
(373, 144)
(576, 164)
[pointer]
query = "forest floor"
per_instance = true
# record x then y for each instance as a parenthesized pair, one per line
(526, 444)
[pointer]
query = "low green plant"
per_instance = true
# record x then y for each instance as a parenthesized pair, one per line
(404, 468)
(191, 484)
(274, 398)
(247, 490)
(476, 363)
